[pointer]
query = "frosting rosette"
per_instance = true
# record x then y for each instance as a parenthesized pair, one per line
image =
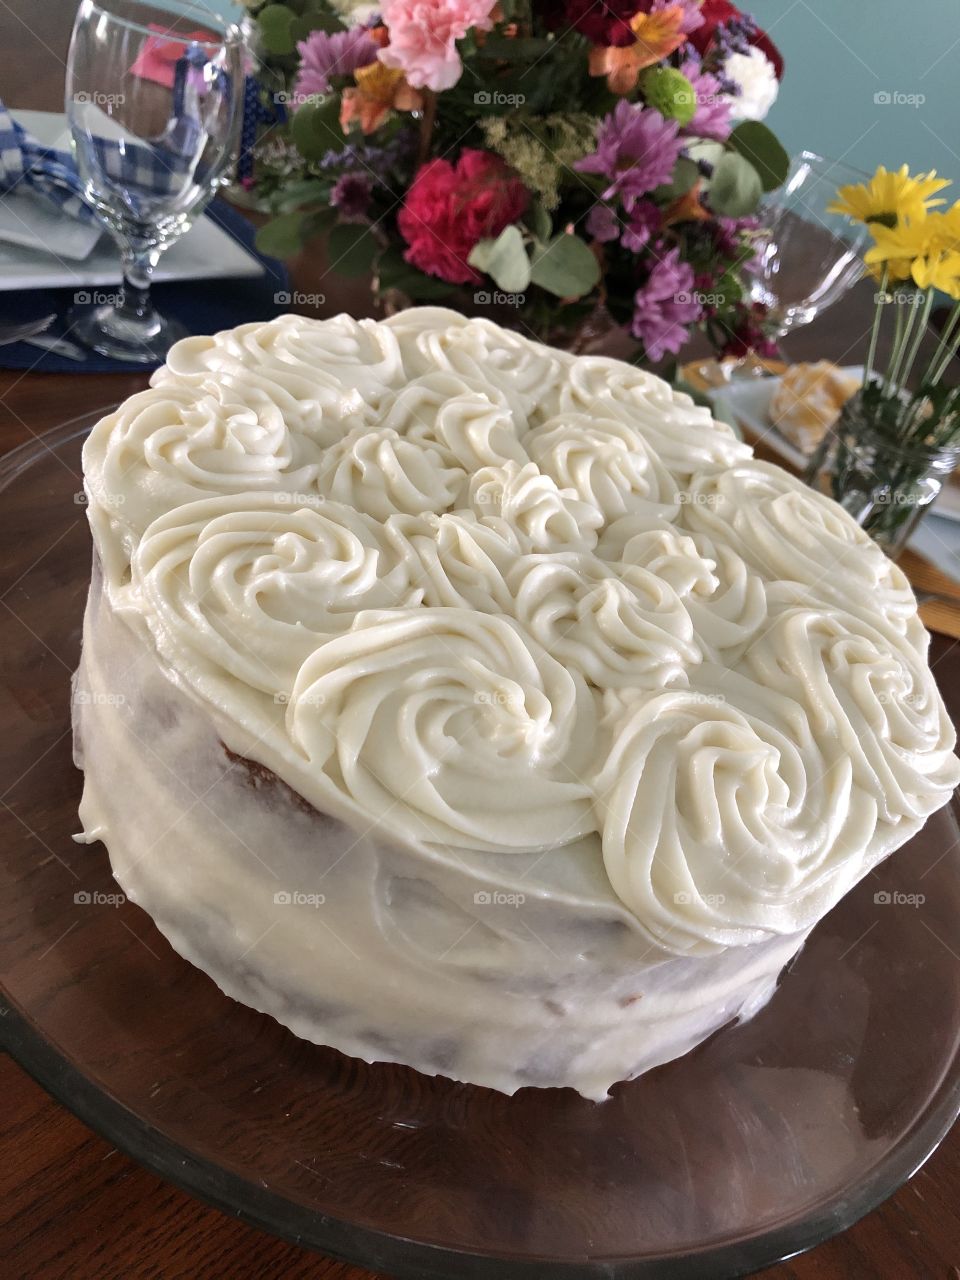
(532, 507)
(606, 464)
(790, 533)
(381, 474)
(245, 588)
(472, 425)
(627, 631)
(874, 696)
(459, 561)
(449, 727)
(482, 352)
(726, 600)
(173, 444)
(724, 820)
(683, 435)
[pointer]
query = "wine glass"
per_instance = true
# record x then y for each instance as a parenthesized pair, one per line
(807, 258)
(154, 96)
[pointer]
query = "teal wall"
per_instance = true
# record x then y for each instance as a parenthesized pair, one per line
(841, 53)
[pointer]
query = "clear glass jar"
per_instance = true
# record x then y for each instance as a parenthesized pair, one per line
(886, 481)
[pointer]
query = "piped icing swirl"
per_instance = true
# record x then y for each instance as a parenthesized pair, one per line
(493, 600)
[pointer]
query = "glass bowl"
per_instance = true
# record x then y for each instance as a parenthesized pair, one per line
(765, 1140)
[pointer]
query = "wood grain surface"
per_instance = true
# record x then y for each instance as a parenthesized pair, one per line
(71, 1206)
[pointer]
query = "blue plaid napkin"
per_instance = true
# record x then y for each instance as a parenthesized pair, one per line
(44, 169)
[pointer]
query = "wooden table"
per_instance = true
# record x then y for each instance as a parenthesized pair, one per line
(73, 1207)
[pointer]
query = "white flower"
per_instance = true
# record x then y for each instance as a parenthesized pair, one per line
(354, 12)
(755, 75)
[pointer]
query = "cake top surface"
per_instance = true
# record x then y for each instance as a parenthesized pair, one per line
(504, 604)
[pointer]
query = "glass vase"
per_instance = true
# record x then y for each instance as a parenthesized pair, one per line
(882, 471)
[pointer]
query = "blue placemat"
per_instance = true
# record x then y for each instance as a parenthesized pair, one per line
(203, 306)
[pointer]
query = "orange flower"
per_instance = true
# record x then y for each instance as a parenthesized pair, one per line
(686, 208)
(657, 36)
(379, 91)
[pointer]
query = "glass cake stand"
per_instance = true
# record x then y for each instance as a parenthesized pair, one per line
(764, 1141)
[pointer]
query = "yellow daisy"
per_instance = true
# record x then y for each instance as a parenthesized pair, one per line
(925, 249)
(888, 198)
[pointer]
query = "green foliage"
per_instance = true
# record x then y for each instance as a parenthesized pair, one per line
(394, 273)
(276, 29)
(755, 142)
(736, 187)
(504, 260)
(315, 128)
(351, 249)
(565, 267)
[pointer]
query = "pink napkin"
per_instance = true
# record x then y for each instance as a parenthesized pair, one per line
(157, 58)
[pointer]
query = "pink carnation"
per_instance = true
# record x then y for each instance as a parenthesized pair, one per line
(423, 36)
(448, 208)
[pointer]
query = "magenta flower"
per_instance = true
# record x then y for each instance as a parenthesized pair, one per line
(637, 150)
(323, 56)
(665, 307)
(603, 224)
(351, 195)
(645, 219)
(712, 116)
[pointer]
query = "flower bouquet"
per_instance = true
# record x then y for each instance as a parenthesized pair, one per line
(898, 438)
(558, 160)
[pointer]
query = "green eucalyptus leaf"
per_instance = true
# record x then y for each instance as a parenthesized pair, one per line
(565, 267)
(351, 249)
(685, 176)
(539, 221)
(315, 128)
(504, 260)
(736, 187)
(756, 143)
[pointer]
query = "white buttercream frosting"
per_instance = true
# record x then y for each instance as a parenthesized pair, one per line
(529, 619)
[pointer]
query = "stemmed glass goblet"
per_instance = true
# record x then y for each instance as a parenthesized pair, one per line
(807, 258)
(154, 96)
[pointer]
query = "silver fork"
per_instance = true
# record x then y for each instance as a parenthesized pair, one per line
(18, 332)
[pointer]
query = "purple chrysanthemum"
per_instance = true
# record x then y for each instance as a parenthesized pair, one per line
(692, 17)
(665, 308)
(351, 195)
(645, 219)
(637, 149)
(323, 56)
(712, 116)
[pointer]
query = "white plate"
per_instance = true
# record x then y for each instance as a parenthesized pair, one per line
(206, 251)
(748, 402)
